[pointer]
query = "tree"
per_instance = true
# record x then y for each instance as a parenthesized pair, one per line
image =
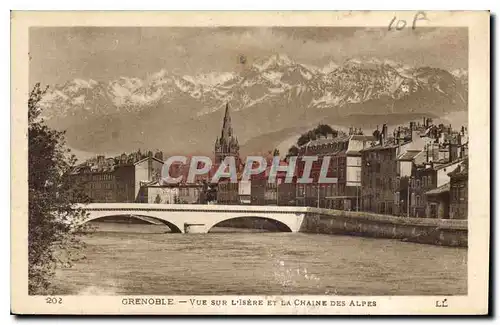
(54, 228)
(293, 151)
(321, 129)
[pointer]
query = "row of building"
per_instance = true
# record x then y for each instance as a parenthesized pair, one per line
(419, 170)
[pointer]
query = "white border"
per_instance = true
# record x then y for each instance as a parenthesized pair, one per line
(279, 4)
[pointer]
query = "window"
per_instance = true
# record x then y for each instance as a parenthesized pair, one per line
(462, 192)
(433, 211)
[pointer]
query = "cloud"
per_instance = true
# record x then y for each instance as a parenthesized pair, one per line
(443, 47)
(103, 54)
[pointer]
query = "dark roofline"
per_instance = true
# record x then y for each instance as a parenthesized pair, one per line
(144, 159)
(176, 185)
(449, 164)
(386, 146)
(439, 190)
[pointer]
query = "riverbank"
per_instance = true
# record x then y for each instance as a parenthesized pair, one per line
(443, 232)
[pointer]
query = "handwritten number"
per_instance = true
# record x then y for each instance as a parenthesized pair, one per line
(401, 23)
(392, 22)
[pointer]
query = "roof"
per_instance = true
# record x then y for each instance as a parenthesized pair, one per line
(156, 183)
(144, 159)
(461, 169)
(409, 155)
(360, 137)
(441, 189)
(437, 167)
(390, 143)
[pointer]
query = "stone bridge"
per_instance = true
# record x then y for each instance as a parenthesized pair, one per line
(191, 218)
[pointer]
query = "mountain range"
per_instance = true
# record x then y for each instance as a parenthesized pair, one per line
(272, 101)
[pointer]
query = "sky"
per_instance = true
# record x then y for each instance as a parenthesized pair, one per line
(60, 54)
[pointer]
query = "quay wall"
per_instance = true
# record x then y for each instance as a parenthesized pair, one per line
(445, 232)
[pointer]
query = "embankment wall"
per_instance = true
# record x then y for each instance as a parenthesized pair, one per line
(444, 232)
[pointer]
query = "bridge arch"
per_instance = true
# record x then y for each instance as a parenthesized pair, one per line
(279, 225)
(101, 216)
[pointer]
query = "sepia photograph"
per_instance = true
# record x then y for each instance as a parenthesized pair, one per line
(320, 162)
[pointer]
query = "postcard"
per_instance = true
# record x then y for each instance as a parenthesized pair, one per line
(250, 163)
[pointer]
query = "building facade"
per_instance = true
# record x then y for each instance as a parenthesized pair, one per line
(227, 192)
(459, 196)
(276, 193)
(116, 179)
(154, 192)
(104, 181)
(344, 154)
(146, 170)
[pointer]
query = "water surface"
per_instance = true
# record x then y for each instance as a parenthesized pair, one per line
(139, 259)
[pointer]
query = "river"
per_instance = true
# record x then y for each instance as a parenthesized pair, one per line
(135, 259)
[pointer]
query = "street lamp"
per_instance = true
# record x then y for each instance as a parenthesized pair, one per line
(318, 197)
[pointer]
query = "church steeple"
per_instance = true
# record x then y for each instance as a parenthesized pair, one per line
(227, 144)
(227, 129)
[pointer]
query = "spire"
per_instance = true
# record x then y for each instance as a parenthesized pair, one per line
(227, 129)
(227, 144)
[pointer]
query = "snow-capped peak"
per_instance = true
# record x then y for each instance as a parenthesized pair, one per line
(77, 84)
(160, 75)
(459, 73)
(329, 67)
(274, 60)
(85, 83)
(210, 79)
(353, 61)
(273, 79)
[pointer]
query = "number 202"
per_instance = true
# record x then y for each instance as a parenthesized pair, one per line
(53, 300)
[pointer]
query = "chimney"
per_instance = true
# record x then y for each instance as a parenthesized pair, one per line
(413, 131)
(159, 155)
(397, 138)
(383, 135)
(100, 160)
